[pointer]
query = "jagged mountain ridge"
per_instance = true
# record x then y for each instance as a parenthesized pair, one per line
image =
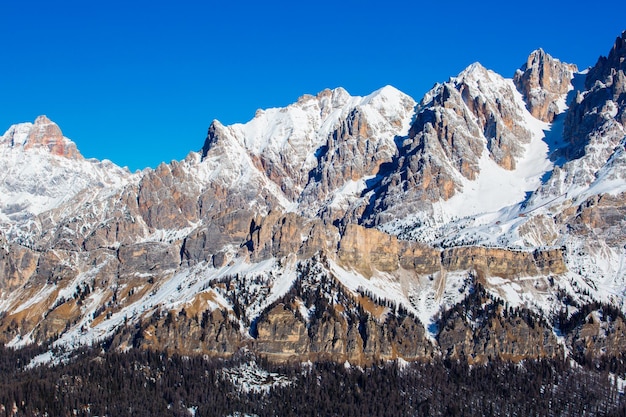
(338, 227)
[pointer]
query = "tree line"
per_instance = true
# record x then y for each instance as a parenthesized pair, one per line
(148, 383)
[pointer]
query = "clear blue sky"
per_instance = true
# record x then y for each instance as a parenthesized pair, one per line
(139, 82)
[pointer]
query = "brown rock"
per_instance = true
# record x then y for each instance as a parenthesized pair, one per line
(148, 258)
(543, 80)
(282, 336)
(17, 265)
(503, 263)
(598, 336)
(480, 331)
(367, 250)
(47, 135)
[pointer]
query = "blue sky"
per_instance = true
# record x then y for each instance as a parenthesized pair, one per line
(139, 82)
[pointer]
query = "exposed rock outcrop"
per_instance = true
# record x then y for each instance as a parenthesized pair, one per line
(591, 117)
(480, 330)
(544, 82)
(610, 66)
(367, 250)
(600, 335)
(208, 332)
(43, 134)
(474, 113)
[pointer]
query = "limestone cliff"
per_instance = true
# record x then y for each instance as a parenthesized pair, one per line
(544, 82)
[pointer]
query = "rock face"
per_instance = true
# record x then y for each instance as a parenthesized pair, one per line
(210, 331)
(56, 173)
(357, 330)
(598, 334)
(43, 134)
(369, 250)
(479, 330)
(610, 66)
(594, 126)
(543, 81)
(472, 116)
(339, 228)
(311, 148)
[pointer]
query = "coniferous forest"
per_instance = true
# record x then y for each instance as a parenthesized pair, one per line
(94, 382)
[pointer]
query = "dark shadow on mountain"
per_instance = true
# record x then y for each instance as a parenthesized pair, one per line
(546, 176)
(529, 194)
(254, 327)
(315, 175)
(422, 115)
(384, 169)
(321, 152)
(562, 145)
(379, 186)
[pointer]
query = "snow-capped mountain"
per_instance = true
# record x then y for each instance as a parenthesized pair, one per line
(487, 220)
(43, 170)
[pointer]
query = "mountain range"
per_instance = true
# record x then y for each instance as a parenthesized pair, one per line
(486, 221)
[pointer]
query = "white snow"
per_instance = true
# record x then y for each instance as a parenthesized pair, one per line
(249, 377)
(619, 382)
(349, 191)
(33, 180)
(496, 187)
(422, 297)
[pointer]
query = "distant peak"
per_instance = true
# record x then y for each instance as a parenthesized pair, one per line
(333, 98)
(618, 52)
(42, 134)
(539, 58)
(216, 130)
(474, 67)
(335, 92)
(474, 74)
(543, 81)
(387, 90)
(388, 94)
(606, 67)
(216, 124)
(473, 71)
(538, 52)
(335, 95)
(43, 120)
(536, 57)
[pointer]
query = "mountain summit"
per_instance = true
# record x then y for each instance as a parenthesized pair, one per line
(544, 82)
(42, 169)
(484, 221)
(43, 134)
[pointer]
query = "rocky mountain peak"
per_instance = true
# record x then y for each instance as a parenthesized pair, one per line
(544, 82)
(474, 71)
(471, 112)
(317, 144)
(610, 65)
(212, 134)
(330, 99)
(391, 102)
(43, 134)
